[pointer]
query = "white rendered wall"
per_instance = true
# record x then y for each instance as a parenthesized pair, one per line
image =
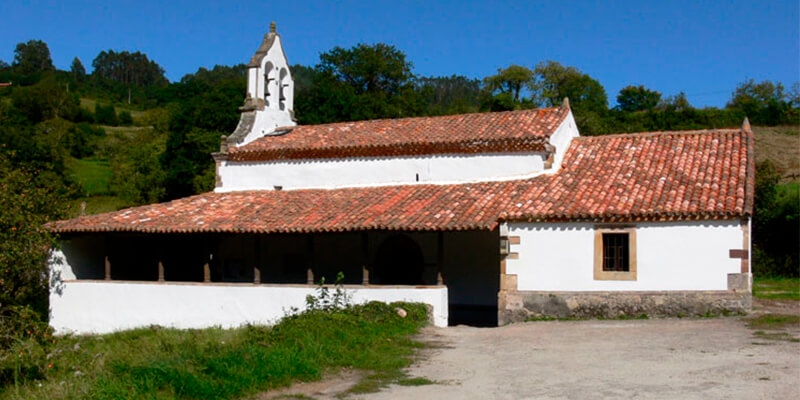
(102, 307)
(382, 171)
(359, 172)
(670, 256)
(562, 138)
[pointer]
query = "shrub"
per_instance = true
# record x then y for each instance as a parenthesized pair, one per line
(125, 118)
(82, 140)
(25, 206)
(776, 217)
(105, 115)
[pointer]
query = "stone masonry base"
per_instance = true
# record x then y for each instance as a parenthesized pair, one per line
(517, 306)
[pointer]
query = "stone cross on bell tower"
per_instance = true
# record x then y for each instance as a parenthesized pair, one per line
(269, 104)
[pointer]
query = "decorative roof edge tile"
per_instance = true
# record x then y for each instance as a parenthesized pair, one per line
(396, 149)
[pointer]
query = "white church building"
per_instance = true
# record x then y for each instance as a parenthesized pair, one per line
(490, 218)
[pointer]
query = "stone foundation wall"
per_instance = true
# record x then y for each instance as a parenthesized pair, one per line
(517, 306)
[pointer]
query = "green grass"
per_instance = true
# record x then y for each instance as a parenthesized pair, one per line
(419, 381)
(92, 174)
(159, 363)
(773, 327)
(776, 336)
(90, 105)
(96, 205)
(777, 288)
(773, 321)
(127, 131)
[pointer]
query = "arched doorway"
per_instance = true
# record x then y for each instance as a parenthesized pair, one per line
(399, 261)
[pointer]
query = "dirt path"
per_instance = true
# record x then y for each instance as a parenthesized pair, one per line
(650, 359)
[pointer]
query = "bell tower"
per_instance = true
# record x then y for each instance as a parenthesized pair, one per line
(269, 103)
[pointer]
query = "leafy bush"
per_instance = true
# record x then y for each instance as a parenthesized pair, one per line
(776, 217)
(82, 140)
(25, 206)
(327, 301)
(125, 118)
(105, 115)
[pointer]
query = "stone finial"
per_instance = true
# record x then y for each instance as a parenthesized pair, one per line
(223, 146)
(272, 27)
(565, 103)
(746, 124)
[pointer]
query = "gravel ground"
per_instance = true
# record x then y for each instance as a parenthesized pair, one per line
(645, 359)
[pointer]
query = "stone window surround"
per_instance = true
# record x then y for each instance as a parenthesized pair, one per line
(599, 273)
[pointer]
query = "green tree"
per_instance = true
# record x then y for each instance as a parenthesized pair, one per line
(77, 70)
(46, 100)
(3, 65)
(125, 118)
(82, 139)
(195, 128)
(368, 68)
(776, 216)
(32, 56)
(553, 82)
(105, 115)
(218, 74)
(25, 245)
(794, 95)
(677, 102)
(510, 80)
(129, 69)
(764, 102)
(363, 82)
(637, 98)
(137, 176)
(456, 94)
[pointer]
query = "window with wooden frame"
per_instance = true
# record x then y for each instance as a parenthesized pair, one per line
(615, 253)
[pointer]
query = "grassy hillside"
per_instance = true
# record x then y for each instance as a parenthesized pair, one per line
(90, 105)
(93, 175)
(781, 145)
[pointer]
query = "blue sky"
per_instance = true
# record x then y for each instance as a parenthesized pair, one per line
(702, 48)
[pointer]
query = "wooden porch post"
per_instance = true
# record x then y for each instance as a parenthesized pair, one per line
(160, 271)
(207, 264)
(108, 269)
(107, 246)
(257, 266)
(440, 258)
(365, 265)
(310, 271)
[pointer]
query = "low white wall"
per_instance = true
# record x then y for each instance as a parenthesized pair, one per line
(670, 256)
(376, 171)
(102, 307)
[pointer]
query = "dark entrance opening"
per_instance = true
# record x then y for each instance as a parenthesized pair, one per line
(399, 261)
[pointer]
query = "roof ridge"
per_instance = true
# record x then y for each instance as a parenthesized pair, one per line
(662, 133)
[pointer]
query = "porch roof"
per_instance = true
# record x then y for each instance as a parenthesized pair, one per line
(630, 177)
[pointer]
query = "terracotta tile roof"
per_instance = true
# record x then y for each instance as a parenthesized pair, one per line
(525, 130)
(631, 177)
(646, 176)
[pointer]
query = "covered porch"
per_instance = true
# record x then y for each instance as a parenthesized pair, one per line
(205, 278)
